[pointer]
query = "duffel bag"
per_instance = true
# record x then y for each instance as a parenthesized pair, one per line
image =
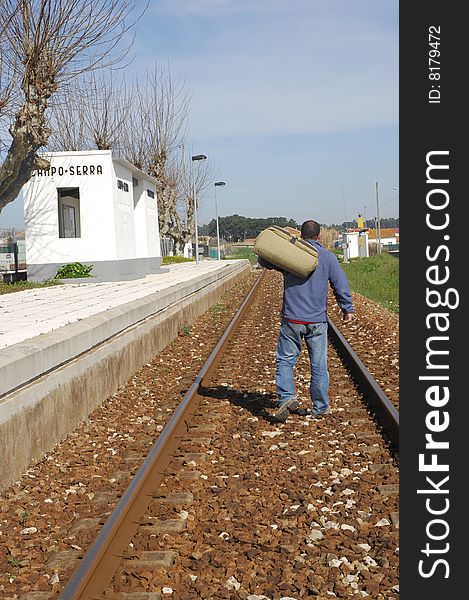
(286, 251)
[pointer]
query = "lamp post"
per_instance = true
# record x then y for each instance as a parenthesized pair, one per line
(217, 184)
(378, 224)
(196, 157)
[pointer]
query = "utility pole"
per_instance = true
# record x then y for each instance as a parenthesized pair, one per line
(378, 226)
(343, 201)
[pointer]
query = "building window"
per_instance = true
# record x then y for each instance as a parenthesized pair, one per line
(69, 212)
(151, 193)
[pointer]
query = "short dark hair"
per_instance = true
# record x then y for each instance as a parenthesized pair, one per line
(310, 230)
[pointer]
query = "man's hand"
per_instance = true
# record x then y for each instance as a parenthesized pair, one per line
(347, 317)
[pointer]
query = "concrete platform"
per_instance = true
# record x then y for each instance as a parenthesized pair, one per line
(65, 349)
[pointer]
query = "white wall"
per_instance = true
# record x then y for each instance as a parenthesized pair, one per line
(123, 213)
(352, 244)
(152, 228)
(92, 173)
(117, 221)
(147, 237)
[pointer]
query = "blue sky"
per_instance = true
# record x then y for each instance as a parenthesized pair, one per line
(295, 102)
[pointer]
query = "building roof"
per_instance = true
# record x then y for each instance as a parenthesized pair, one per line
(386, 232)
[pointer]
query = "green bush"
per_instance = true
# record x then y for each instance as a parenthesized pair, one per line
(74, 270)
(171, 260)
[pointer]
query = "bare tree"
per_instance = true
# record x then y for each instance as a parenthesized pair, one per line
(68, 130)
(144, 123)
(157, 128)
(44, 45)
(191, 184)
(93, 116)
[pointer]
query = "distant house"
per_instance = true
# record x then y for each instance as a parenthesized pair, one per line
(388, 235)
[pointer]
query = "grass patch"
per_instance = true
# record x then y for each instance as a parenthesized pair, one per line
(171, 260)
(18, 286)
(245, 252)
(217, 308)
(186, 330)
(376, 278)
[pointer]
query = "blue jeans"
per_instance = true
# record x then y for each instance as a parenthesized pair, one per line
(288, 351)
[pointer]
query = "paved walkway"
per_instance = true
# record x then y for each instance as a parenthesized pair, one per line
(29, 313)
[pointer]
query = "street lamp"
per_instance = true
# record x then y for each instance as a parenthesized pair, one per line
(217, 184)
(196, 157)
(378, 224)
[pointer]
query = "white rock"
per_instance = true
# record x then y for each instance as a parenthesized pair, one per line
(395, 588)
(224, 535)
(232, 583)
(193, 577)
(344, 526)
(382, 523)
(272, 434)
(314, 535)
(167, 590)
(256, 597)
(347, 492)
(346, 472)
(28, 530)
(331, 525)
(370, 562)
(365, 547)
(55, 578)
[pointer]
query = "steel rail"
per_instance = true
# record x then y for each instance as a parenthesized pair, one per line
(102, 559)
(383, 408)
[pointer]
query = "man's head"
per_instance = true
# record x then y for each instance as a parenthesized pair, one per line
(310, 230)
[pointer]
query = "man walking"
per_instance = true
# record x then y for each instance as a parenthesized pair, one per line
(304, 316)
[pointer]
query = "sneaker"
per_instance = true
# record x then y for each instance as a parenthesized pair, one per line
(315, 415)
(283, 412)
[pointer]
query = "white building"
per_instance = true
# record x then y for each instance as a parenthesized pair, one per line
(92, 208)
(355, 244)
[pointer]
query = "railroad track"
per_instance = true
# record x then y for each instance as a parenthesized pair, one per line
(229, 504)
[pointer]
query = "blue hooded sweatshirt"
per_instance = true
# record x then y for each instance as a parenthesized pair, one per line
(305, 299)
